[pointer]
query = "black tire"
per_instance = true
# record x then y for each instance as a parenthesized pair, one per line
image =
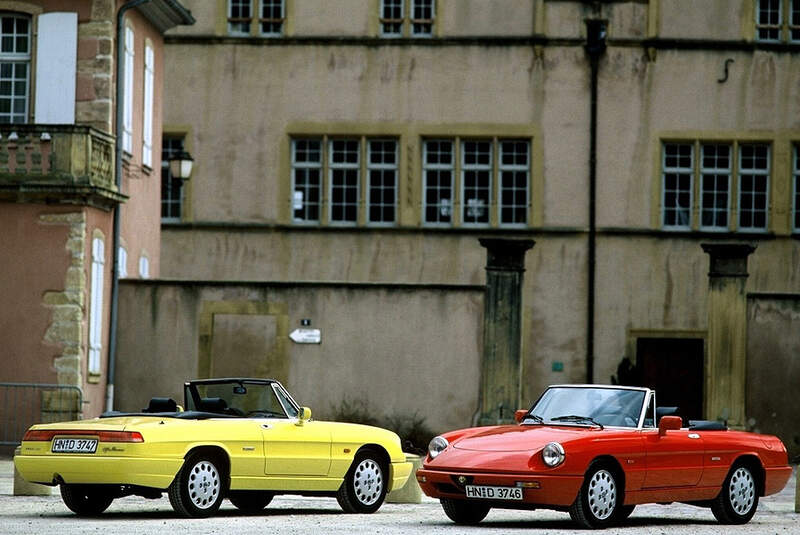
(364, 487)
(738, 499)
(86, 500)
(198, 488)
(600, 499)
(250, 501)
(624, 512)
(463, 512)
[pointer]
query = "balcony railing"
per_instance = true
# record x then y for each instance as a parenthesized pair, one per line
(57, 163)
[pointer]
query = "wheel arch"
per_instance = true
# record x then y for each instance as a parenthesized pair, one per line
(215, 451)
(611, 462)
(380, 451)
(753, 462)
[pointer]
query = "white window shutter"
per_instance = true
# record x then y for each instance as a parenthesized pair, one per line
(56, 67)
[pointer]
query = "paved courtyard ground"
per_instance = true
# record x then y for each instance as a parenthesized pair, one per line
(318, 516)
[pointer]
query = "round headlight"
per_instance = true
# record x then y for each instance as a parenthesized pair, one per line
(437, 446)
(553, 454)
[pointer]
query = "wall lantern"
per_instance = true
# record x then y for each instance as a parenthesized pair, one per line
(180, 165)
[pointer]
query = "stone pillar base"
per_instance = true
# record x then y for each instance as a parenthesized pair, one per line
(410, 492)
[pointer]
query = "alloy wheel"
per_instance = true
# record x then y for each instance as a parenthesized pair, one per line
(368, 482)
(741, 491)
(602, 494)
(204, 484)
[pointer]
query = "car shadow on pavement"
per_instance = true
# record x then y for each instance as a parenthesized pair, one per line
(568, 524)
(168, 514)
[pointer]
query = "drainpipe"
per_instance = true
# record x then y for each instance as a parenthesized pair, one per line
(595, 47)
(120, 108)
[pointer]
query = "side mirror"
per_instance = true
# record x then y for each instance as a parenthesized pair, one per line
(519, 415)
(303, 416)
(669, 423)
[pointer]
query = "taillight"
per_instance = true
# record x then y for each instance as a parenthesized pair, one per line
(46, 435)
(35, 435)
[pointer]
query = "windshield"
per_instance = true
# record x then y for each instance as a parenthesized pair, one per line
(247, 399)
(588, 406)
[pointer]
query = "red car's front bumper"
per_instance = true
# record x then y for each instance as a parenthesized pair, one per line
(542, 490)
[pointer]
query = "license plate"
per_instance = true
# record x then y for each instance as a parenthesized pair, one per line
(74, 445)
(494, 493)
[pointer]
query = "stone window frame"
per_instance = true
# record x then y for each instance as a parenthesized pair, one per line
(96, 296)
(344, 180)
(381, 171)
(511, 169)
(736, 192)
(148, 95)
(796, 188)
(122, 262)
(324, 162)
(777, 21)
(412, 21)
(459, 169)
(754, 173)
(144, 265)
(711, 169)
(14, 59)
(311, 164)
(173, 191)
(258, 16)
(438, 168)
(130, 57)
(674, 169)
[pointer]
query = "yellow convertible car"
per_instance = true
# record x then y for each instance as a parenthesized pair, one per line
(244, 439)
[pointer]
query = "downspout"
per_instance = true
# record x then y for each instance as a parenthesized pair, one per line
(120, 109)
(595, 47)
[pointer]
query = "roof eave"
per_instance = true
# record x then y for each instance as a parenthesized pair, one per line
(166, 14)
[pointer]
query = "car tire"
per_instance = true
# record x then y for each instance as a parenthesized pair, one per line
(600, 498)
(250, 501)
(86, 500)
(738, 499)
(198, 488)
(624, 512)
(463, 512)
(364, 487)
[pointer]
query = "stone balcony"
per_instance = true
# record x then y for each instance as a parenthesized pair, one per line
(61, 164)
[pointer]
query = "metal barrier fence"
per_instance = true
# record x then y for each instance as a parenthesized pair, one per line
(25, 404)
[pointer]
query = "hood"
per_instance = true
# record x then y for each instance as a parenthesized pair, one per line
(519, 438)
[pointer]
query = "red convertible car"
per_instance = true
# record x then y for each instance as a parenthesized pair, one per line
(596, 452)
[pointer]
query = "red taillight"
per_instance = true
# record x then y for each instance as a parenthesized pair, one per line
(46, 435)
(35, 435)
(120, 436)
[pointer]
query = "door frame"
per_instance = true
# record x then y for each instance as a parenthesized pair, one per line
(634, 334)
(208, 309)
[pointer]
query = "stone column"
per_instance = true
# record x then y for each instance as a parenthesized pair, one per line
(727, 331)
(501, 366)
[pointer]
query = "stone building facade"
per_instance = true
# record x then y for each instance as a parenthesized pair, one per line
(374, 142)
(62, 180)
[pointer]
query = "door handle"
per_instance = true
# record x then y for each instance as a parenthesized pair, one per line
(266, 426)
(694, 435)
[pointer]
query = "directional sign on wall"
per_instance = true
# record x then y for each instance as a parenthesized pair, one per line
(306, 336)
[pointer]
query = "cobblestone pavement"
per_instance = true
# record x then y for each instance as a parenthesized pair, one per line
(290, 514)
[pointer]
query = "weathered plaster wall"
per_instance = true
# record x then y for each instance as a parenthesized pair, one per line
(367, 351)
(42, 317)
(773, 369)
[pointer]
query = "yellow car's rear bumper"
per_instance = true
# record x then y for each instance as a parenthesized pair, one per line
(49, 469)
(399, 473)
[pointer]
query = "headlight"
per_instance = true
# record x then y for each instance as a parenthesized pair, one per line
(553, 454)
(437, 446)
